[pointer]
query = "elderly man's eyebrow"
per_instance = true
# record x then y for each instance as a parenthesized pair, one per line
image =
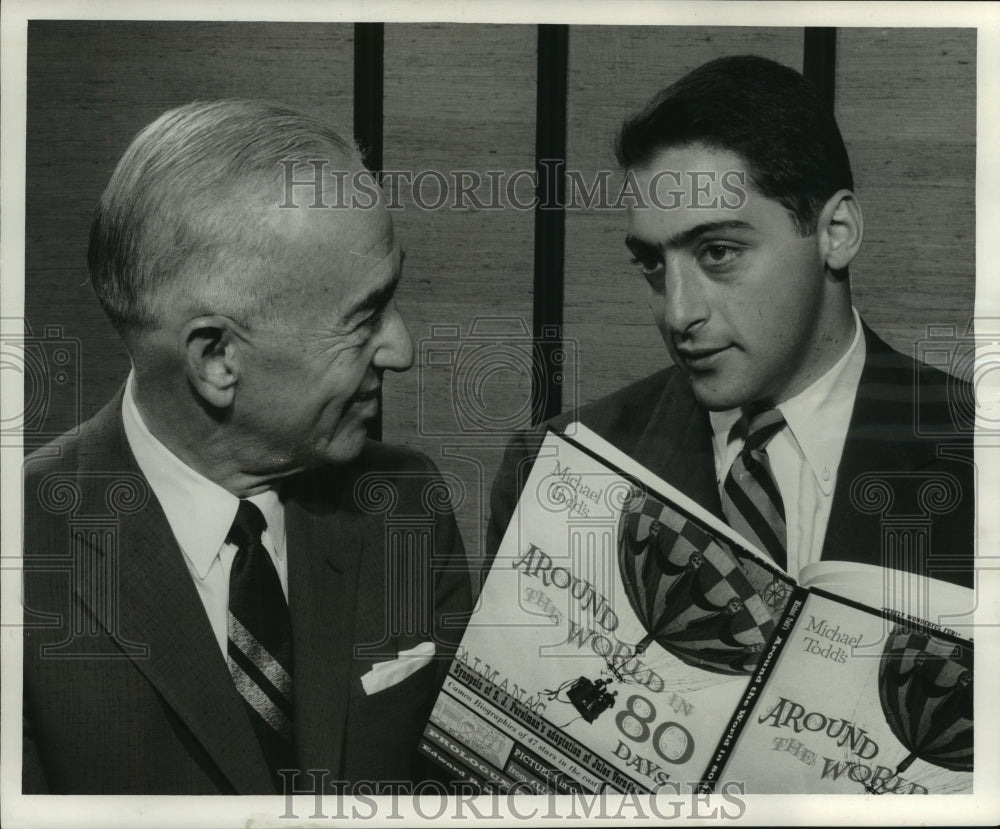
(377, 299)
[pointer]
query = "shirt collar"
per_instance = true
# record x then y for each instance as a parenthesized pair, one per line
(818, 417)
(199, 511)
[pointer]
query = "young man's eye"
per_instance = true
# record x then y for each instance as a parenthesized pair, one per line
(648, 264)
(717, 254)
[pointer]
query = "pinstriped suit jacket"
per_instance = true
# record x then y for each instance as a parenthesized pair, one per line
(125, 688)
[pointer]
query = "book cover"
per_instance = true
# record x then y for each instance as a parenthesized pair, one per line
(615, 634)
(628, 640)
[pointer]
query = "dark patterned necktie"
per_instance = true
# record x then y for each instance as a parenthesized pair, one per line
(260, 639)
(751, 501)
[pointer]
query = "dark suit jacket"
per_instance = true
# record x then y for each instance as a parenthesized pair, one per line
(903, 440)
(125, 687)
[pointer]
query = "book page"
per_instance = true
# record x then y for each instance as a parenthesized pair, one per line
(917, 596)
(858, 703)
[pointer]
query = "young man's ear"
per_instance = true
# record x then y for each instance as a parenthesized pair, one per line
(841, 229)
(211, 361)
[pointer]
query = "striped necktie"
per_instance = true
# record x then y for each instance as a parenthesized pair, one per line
(751, 501)
(260, 639)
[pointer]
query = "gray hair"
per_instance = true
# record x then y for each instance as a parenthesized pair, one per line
(186, 207)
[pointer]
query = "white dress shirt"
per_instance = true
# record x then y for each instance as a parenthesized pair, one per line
(200, 514)
(805, 455)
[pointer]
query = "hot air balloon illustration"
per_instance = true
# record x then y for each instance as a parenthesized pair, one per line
(711, 607)
(925, 687)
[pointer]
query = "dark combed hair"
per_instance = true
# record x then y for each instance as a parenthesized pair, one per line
(767, 114)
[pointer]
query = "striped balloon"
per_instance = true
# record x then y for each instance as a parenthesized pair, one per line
(925, 685)
(700, 601)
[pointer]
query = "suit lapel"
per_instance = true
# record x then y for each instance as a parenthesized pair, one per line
(324, 551)
(676, 444)
(880, 438)
(158, 608)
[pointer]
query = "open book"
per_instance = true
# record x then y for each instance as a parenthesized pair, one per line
(628, 640)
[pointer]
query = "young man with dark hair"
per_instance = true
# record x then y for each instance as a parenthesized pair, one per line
(783, 409)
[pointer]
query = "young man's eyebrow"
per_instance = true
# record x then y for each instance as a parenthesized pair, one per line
(640, 247)
(685, 237)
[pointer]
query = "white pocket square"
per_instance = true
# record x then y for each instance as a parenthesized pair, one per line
(386, 674)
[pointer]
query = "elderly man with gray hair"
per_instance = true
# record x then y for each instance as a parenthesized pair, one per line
(239, 612)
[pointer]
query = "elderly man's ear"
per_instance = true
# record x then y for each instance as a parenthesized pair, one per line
(211, 359)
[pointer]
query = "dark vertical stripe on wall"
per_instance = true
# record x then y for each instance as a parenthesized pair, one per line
(819, 60)
(550, 220)
(369, 49)
(369, 46)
